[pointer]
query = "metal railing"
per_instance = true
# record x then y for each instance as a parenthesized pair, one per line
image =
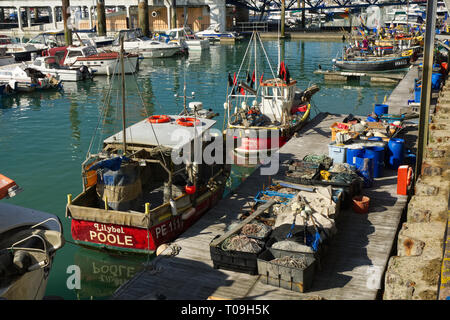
(260, 26)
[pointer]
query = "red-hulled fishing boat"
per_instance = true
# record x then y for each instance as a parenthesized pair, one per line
(136, 195)
(261, 119)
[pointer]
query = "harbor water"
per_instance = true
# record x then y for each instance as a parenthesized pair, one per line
(45, 136)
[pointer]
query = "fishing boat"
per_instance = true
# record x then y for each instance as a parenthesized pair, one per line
(136, 194)
(186, 38)
(29, 240)
(264, 118)
(363, 63)
(213, 33)
(49, 65)
(135, 42)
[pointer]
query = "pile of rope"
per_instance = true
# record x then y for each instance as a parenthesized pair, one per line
(291, 261)
(256, 230)
(242, 243)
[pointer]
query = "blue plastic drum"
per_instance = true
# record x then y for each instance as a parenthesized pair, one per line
(353, 153)
(395, 154)
(377, 155)
(381, 109)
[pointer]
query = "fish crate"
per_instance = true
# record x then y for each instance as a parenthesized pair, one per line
(238, 261)
(291, 278)
(350, 189)
(234, 260)
(339, 127)
(306, 166)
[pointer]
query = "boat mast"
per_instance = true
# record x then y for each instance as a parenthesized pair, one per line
(123, 98)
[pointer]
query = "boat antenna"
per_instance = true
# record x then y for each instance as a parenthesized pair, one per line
(279, 48)
(123, 98)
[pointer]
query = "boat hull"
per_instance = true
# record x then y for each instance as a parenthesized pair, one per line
(108, 66)
(127, 239)
(265, 143)
(376, 65)
(158, 53)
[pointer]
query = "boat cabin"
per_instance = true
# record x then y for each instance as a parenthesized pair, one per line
(48, 62)
(74, 52)
(49, 38)
(180, 33)
(277, 97)
(129, 35)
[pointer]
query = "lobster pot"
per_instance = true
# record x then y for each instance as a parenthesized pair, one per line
(122, 188)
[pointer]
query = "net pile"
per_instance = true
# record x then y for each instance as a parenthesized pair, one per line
(256, 229)
(242, 243)
(319, 159)
(292, 262)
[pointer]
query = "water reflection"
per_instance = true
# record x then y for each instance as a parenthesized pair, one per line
(75, 126)
(102, 274)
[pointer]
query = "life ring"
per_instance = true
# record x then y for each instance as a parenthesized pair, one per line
(409, 177)
(188, 122)
(158, 119)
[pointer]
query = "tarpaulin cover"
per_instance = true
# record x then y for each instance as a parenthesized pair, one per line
(121, 187)
(112, 164)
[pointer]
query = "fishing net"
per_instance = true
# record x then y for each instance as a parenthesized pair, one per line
(342, 168)
(256, 230)
(291, 261)
(242, 243)
(319, 159)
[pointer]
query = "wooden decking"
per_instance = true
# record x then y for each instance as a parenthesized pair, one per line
(352, 268)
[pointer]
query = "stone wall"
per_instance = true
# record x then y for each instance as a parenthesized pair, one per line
(415, 273)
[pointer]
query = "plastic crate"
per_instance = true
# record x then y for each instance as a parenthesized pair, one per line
(337, 152)
(338, 127)
(295, 279)
(234, 260)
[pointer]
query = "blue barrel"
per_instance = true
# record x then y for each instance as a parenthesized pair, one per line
(417, 93)
(364, 167)
(377, 155)
(436, 79)
(381, 109)
(395, 154)
(352, 153)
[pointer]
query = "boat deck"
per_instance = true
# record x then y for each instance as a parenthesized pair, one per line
(351, 269)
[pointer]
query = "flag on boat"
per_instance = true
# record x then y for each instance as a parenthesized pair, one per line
(284, 73)
(253, 79)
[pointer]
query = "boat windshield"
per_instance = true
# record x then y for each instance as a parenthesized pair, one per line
(46, 38)
(89, 51)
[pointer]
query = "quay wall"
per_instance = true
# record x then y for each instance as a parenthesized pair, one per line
(421, 268)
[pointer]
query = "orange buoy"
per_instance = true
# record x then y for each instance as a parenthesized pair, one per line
(404, 178)
(360, 204)
(158, 119)
(188, 122)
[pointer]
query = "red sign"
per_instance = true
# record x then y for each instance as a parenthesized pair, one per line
(111, 235)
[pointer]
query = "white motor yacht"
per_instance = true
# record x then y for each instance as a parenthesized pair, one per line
(135, 42)
(187, 38)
